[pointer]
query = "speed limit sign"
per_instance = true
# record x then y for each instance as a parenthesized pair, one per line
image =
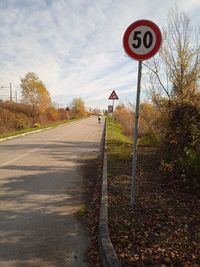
(142, 40)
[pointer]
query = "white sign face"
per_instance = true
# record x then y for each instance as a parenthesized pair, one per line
(142, 40)
(113, 95)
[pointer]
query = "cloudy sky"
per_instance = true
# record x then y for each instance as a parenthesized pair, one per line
(75, 46)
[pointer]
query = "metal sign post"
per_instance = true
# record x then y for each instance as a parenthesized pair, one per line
(136, 134)
(113, 110)
(142, 40)
(110, 108)
(113, 97)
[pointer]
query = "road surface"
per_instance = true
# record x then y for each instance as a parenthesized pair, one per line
(41, 190)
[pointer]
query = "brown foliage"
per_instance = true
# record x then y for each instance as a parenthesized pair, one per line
(17, 107)
(148, 119)
(163, 228)
(11, 121)
(15, 116)
(124, 116)
(53, 114)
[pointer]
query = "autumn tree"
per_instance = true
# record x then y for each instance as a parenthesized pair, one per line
(78, 107)
(174, 89)
(34, 93)
(175, 72)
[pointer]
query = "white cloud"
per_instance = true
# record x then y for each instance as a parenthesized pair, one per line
(75, 46)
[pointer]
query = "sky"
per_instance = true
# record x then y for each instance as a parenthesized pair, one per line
(75, 46)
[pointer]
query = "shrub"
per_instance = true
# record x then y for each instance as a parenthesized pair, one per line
(51, 114)
(147, 123)
(125, 117)
(63, 114)
(20, 121)
(181, 139)
(149, 139)
(11, 121)
(36, 125)
(17, 108)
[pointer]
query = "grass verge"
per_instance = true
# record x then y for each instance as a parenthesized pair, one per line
(164, 227)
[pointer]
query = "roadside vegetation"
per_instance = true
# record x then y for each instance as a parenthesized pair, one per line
(163, 229)
(171, 120)
(36, 111)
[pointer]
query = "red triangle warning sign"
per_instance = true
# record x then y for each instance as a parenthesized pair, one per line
(113, 95)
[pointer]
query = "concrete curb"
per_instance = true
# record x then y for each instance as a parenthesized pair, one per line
(106, 249)
(36, 131)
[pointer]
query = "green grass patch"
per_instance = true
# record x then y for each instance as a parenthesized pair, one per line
(150, 140)
(39, 127)
(81, 213)
(115, 132)
(119, 147)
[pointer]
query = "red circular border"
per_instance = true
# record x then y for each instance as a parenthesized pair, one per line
(128, 31)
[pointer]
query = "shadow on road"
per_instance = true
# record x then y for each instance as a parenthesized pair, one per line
(38, 226)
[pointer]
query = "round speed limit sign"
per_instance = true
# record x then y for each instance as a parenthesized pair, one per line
(142, 40)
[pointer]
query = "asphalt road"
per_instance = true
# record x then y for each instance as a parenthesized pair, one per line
(41, 190)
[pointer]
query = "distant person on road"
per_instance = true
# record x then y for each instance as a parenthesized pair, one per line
(99, 119)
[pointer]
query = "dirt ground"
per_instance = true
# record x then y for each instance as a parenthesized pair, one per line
(92, 174)
(164, 227)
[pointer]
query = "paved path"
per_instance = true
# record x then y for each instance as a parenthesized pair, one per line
(40, 192)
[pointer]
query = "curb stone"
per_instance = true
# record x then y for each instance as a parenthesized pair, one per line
(106, 249)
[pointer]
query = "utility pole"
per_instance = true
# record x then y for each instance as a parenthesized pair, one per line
(10, 92)
(16, 95)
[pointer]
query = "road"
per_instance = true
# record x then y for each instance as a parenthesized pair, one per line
(41, 190)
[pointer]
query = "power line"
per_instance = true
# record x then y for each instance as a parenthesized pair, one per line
(10, 92)
(4, 89)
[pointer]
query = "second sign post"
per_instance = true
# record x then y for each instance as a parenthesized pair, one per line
(141, 41)
(113, 97)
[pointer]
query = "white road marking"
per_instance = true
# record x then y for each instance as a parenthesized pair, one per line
(31, 151)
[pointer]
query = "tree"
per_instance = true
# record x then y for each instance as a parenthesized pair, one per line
(176, 70)
(78, 107)
(35, 93)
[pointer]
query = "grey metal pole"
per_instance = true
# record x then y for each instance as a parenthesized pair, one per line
(136, 134)
(113, 109)
(10, 92)
(112, 120)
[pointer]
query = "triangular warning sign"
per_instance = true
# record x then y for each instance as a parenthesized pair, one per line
(113, 95)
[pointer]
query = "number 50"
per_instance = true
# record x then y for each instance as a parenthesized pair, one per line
(147, 39)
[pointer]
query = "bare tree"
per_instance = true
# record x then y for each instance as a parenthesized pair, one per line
(176, 70)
